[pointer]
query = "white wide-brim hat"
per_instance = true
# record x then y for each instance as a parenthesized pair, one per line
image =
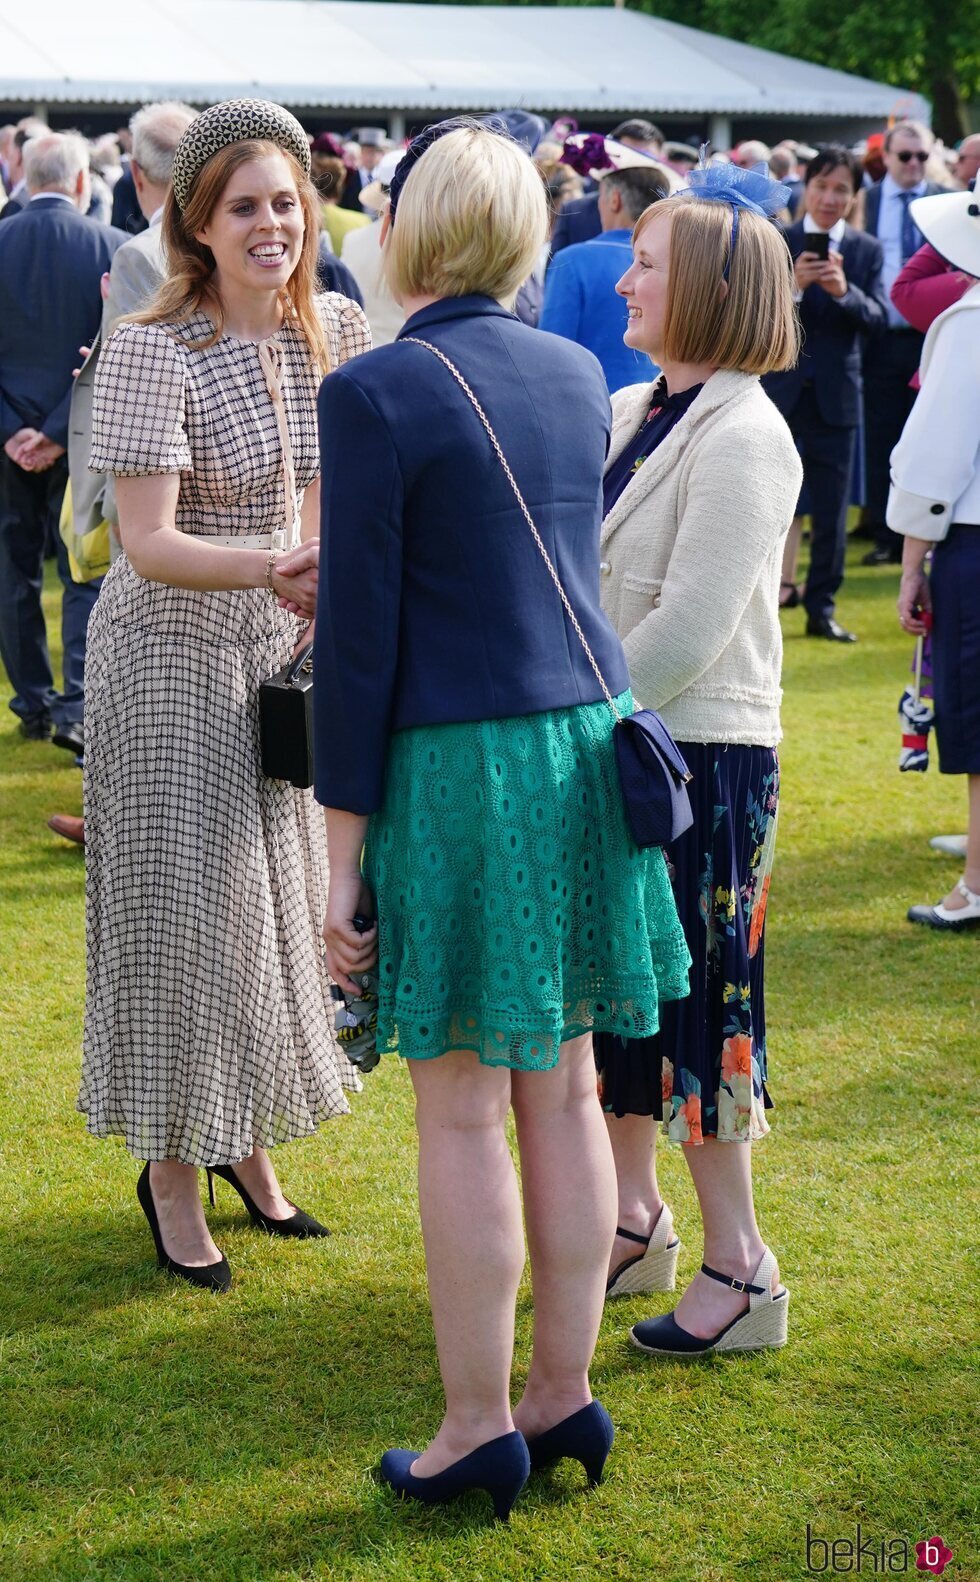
(950, 222)
(624, 158)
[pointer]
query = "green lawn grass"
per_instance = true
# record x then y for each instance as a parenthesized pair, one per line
(148, 1431)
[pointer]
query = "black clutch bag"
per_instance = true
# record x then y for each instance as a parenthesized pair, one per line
(286, 722)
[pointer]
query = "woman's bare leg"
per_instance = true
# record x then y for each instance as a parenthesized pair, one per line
(262, 1185)
(474, 1246)
(971, 874)
(722, 1175)
(570, 1208)
(634, 1147)
(177, 1199)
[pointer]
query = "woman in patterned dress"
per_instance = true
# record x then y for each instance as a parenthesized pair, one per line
(699, 493)
(208, 1010)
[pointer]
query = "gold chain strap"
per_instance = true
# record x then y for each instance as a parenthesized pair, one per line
(527, 515)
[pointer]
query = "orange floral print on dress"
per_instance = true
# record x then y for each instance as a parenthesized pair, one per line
(758, 917)
(736, 1057)
(691, 1111)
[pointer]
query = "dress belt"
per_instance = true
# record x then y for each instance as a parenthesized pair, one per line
(275, 540)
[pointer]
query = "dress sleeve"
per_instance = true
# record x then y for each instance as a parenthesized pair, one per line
(348, 332)
(138, 426)
(935, 459)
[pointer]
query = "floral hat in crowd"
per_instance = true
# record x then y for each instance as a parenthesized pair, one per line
(590, 154)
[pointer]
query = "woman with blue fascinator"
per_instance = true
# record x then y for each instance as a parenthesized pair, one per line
(700, 489)
(466, 749)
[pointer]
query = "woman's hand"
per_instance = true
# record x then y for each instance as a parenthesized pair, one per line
(349, 954)
(914, 601)
(294, 579)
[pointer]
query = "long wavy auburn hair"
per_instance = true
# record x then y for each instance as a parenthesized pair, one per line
(190, 287)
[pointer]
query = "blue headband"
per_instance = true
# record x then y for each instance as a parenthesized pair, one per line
(752, 189)
(420, 145)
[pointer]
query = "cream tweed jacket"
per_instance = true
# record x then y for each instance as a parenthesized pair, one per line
(691, 556)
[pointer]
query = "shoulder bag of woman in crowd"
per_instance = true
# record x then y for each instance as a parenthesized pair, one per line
(652, 771)
(286, 699)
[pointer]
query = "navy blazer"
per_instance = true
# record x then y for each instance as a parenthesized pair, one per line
(435, 604)
(834, 332)
(51, 263)
(578, 221)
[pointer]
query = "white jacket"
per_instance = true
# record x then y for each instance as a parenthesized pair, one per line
(935, 466)
(691, 556)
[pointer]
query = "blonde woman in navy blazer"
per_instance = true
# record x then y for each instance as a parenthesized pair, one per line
(464, 744)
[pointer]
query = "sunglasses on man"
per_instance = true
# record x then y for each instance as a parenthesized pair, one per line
(907, 154)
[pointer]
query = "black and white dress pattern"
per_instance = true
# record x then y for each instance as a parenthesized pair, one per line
(208, 1015)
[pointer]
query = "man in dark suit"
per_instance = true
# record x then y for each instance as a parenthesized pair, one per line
(52, 259)
(893, 358)
(841, 304)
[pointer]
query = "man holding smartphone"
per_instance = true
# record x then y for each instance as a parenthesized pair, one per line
(837, 271)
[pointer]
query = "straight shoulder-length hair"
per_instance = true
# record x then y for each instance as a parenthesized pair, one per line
(748, 323)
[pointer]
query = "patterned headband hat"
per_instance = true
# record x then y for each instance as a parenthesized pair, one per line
(753, 189)
(420, 145)
(235, 121)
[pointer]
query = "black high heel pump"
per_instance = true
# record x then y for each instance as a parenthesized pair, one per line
(210, 1277)
(299, 1224)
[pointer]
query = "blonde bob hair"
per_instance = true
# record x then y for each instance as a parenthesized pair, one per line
(189, 285)
(472, 217)
(751, 325)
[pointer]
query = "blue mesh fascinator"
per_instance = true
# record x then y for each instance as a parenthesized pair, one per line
(752, 189)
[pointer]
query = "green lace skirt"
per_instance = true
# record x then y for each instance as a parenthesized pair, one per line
(514, 910)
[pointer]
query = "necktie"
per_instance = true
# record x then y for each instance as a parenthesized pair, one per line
(911, 239)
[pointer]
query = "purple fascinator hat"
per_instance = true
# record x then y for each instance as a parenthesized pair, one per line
(753, 189)
(420, 145)
(586, 154)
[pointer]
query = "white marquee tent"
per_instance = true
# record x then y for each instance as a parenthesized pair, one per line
(396, 62)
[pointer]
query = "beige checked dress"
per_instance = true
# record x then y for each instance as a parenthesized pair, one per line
(208, 1019)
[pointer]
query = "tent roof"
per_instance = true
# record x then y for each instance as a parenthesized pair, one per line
(365, 54)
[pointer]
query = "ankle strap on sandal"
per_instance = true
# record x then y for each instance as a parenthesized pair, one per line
(734, 1285)
(631, 1235)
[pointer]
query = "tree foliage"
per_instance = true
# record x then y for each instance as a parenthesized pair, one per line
(931, 46)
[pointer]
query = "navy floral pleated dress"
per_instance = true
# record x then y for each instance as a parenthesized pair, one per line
(704, 1073)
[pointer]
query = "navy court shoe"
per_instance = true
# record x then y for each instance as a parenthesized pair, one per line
(500, 1467)
(586, 1436)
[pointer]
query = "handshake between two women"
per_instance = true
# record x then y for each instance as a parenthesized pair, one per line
(294, 578)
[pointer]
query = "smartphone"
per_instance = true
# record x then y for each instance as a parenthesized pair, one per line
(817, 242)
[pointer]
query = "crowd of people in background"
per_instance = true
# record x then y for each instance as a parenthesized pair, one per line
(866, 297)
(867, 291)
